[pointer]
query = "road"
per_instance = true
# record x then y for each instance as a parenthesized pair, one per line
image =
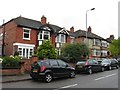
(106, 79)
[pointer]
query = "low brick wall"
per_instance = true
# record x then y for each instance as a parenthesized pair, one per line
(25, 66)
(10, 71)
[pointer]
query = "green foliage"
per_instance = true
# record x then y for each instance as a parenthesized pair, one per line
(74, 52)
(10, 62)
(114, 47)
(46, 50)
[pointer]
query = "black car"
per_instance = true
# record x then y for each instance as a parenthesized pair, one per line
(88, 66)
(108, 64)
(118, 59)
(49, 69)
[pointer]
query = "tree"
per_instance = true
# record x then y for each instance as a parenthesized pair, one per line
(114, 47)
(74, 52)
(46, 50)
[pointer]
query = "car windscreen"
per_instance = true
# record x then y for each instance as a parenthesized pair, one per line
(105, 61)
(81, 62)
(43, 63)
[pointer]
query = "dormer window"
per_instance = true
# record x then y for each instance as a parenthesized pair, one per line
(26, 33)
(43, 35)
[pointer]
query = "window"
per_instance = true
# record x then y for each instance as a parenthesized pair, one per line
(61, 38)
(20, 51)
(53, 63)
(43, 35)
(31, 52)
(61, 63)
(46, 35)
(26, 33)
(95, 62)
(97, 42)
(71, 40)
(90, 62)
(25, 52)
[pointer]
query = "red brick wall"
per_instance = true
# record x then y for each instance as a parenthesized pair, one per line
(14, 34)
(52, 39)
(10, 71)
(19, 37)
(25, 67)
(68, 39)
(10, 37)
(79, 40)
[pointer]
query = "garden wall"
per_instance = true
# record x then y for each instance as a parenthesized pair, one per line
(25, 66)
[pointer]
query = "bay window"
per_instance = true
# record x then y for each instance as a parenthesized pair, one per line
(43, 35)
(61, 38)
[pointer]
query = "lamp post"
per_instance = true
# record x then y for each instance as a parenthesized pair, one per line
(86, 19)
(3, 42)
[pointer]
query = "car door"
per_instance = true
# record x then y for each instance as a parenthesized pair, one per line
(63, 68)
(55, 68)
(97, 66)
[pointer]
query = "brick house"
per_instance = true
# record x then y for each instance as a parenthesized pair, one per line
(98, 46)
(23, 35)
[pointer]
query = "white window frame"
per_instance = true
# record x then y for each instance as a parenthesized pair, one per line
(43, 33)
(59, 37)
(26, 55)
(26, 47)
(71, 40)
(26, 33)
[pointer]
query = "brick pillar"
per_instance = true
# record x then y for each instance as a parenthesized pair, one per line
(22, 69)
(34, 59)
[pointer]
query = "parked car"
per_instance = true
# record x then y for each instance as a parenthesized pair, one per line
(108, 64)
(49, 69)
(118, 59)
(88, 66)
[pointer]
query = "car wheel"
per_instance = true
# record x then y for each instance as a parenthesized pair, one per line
(110, 68)
(48, 77)
(72, 74)
(117, 67)
(102, 69)
(90, 71)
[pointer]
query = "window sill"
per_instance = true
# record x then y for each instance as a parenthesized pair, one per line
(26, 39)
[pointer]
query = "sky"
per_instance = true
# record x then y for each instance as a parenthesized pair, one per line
(66, 13)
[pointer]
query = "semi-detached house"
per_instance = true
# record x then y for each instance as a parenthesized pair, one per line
(24, 35)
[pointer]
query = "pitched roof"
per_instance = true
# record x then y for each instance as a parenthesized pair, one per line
(25, 22)
(21, 21)
(82, 33)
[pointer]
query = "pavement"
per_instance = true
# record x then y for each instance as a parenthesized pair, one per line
(15, 78)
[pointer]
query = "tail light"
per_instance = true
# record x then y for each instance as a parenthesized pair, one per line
(42, 68)
(86, 63)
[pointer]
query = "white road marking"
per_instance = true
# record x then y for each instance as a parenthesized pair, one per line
(69, 86)
(105, 76)
(66, 86)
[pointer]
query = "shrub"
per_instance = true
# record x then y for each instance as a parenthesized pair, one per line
(74, 52)
(10, 62)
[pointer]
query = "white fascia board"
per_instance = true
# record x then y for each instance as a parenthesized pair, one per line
(22, 44)
(64, 30)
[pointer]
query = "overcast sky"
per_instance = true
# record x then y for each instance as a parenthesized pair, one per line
(66, 13)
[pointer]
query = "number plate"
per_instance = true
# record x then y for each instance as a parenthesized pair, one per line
(80, 66)
(34, 70)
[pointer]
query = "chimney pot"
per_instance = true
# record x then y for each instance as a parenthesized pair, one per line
(89, 29)
(72, 29)
(43, 19)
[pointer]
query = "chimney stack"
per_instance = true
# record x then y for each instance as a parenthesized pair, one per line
(89, 29)
(72, 29)
(43, 19)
